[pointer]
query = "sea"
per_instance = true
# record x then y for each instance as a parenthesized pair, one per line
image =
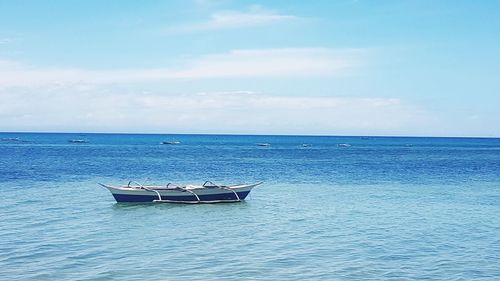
(330, 208)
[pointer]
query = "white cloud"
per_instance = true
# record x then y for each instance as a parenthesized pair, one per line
(274, 63)
(6, 65)
(94, 109)
(5, 41)
(255, 16)
(287, 62)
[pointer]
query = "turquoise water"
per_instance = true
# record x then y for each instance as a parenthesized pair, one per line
(382, 208)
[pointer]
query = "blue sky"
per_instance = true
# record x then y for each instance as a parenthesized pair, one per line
(346, 67)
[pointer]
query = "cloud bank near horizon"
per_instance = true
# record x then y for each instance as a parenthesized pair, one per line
(230, 112)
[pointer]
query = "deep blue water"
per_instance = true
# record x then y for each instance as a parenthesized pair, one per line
(382, 208)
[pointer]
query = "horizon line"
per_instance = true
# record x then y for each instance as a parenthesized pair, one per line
(246, 134)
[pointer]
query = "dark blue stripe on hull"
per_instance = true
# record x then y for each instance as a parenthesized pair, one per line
(150, 198)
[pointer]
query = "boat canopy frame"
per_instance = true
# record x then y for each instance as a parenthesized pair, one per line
(184, 189)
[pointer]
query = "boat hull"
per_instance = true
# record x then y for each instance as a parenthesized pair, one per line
(186, 198)
(202, 195)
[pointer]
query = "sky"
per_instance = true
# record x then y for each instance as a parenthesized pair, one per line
(344, 67)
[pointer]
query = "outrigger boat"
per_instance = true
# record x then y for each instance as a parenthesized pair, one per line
(172, 193)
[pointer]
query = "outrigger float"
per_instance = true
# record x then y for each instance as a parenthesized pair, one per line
(172, 193)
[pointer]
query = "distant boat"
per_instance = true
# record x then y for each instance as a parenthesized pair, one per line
(10, 139)
(77, 141)
(172, 193)
(170, 142)
(306, 145)
(264, 144)
(344, 145)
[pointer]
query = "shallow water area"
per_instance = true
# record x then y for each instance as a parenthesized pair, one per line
(379, 209)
